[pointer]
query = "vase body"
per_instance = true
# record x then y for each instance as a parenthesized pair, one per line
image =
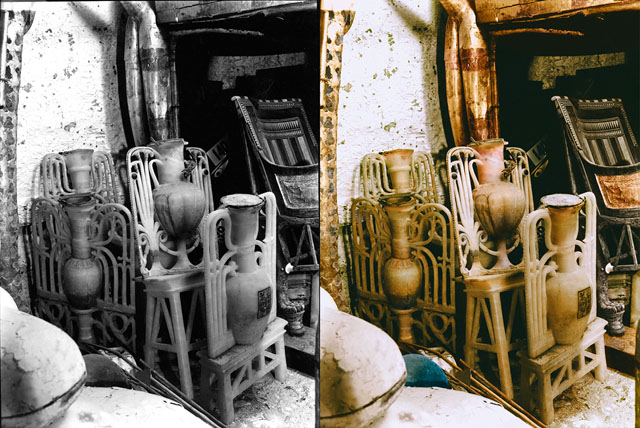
(79, 163)
(401, 275)
(499, 205)
(179, 204)
(249, 291)
(399, 167)
(569, 292)
(82, 275)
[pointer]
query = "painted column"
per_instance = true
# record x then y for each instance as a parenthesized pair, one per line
(335, 20)
(13, 272)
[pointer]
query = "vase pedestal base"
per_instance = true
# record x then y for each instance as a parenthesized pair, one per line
(225, 377)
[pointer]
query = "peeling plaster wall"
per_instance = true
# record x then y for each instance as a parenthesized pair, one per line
(69, 92)
(389, 90)
(546, 69)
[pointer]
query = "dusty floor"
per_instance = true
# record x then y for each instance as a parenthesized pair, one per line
(592, 404)
(271, 404)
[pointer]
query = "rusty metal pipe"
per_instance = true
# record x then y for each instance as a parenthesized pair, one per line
(453, 78)
(154, 61)
(475, 67)
(134, 84)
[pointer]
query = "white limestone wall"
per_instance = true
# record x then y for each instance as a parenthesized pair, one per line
(389, 89)
(69, 91)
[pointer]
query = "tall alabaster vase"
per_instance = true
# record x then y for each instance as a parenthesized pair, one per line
(499, 204)
(82, 274)
(401, 275)
(398, 163)
(569, 291)
(179, 204)
(249, 291)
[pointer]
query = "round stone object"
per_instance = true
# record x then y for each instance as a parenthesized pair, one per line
(42, 371)
(361, 371)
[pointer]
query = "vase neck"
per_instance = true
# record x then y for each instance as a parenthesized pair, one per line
(564, 232)
(79, 164)
(490, 156)
(78, 209)
(399, 166)
(243, 212)
(399, 219)
(171, 155)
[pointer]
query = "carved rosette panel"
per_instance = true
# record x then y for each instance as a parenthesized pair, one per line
(111, 239)
(432, 246)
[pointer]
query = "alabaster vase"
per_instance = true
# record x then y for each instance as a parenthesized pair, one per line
(401, 275)
(81, 274)
(179, 204)
(499, 204)
(569, 290)
(79, 163)
(249, 291)
(398, 163)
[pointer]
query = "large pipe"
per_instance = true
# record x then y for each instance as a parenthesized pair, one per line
(453, 78)
(474, 63)
(154, 61)
(134, 83)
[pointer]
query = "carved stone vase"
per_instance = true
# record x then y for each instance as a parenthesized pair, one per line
(398, 163)
(249, 291)
(401, 275)
(82, 274)
(79, 163)
(179, 204)
(569, 292)
(499, 204)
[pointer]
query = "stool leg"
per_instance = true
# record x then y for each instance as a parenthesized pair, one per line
(470, 328)
(181, 346)
(501, 346)
(601, 368)
(545, 398)
(149, 328)
(225, 398)
(280, 371)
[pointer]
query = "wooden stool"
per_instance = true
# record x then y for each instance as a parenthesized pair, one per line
(229, 374)
(168, 289)
(547, 376)
(491, 287)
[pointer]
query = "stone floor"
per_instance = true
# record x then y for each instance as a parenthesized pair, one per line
(593, 404)
(272, 404)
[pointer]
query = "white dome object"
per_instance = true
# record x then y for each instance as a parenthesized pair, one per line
(42, 371)
(361, 371)
(6, 301)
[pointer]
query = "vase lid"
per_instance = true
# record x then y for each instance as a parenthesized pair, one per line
(242, 200)
(561, 200)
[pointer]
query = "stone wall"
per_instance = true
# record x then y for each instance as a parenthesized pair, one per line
(69, 91)
(389, 92)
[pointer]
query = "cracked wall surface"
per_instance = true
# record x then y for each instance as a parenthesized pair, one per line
(389, 91)
(69, 93)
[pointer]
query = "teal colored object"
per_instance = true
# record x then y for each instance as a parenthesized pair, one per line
(423, 372)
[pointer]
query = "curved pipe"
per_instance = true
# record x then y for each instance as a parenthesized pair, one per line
(154, 62)
(475, 67)
(454, 89)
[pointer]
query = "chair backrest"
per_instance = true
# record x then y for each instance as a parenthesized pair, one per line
(154, 248)
(55, 179)
(218, 264)
(475, 251)
(278, 134)
(374, 177)
(603, 154)
(539, 266)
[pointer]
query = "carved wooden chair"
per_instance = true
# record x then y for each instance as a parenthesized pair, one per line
(279, 142)
(487, 327)
(167, 327)
(228, 368)
(603, 157)
(549, 368)
(432, 245)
